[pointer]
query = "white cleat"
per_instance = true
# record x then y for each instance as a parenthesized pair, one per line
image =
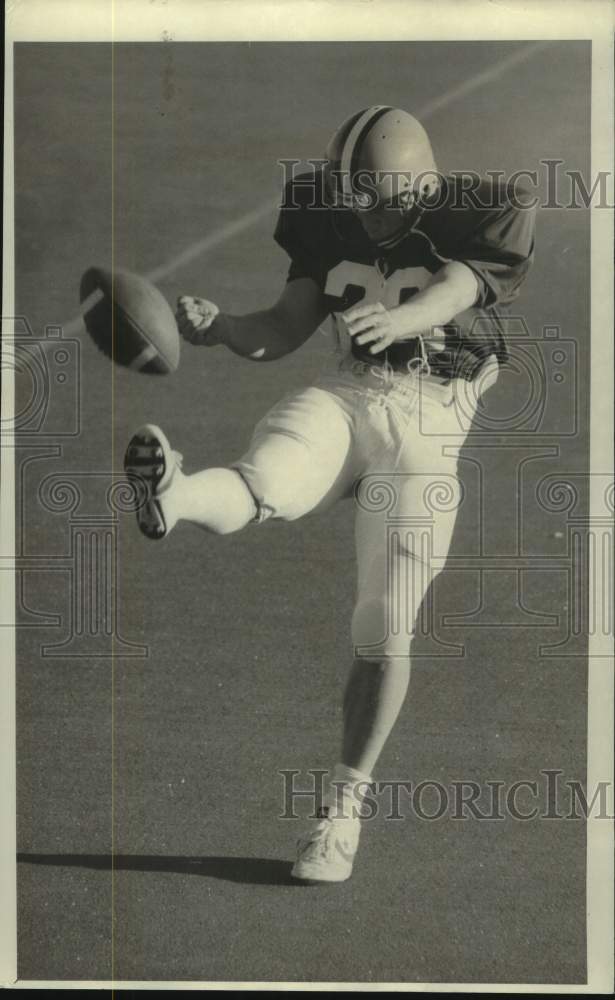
(327, 853)
(151, 461)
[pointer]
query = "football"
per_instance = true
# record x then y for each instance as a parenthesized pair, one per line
(130, 320)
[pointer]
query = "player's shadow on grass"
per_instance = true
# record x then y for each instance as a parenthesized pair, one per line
(253, 871)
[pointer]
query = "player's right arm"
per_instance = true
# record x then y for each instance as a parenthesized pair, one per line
(260, 336)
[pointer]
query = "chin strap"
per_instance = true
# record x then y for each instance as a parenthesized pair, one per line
(392, 241)
(412, 216)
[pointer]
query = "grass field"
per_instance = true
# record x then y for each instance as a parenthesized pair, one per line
(148, 789)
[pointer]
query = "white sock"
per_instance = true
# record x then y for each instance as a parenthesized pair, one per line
(347, 790)
(170, 500)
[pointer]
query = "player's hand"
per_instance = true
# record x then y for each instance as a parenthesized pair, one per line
(372, 323)
(196, 320)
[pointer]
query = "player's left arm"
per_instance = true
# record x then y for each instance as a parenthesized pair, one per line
(450, 291)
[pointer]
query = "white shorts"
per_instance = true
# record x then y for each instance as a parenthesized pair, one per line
(389, 440)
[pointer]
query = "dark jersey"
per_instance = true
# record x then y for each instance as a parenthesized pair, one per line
(481, 229)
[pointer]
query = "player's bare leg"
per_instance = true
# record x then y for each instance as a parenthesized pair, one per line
(374, 695)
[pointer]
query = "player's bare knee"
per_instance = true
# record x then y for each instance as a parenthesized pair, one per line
(378, 636)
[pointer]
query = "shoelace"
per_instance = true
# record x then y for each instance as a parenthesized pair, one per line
(323, 839)
(322, 844)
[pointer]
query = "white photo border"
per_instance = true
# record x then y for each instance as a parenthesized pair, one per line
(343, 20)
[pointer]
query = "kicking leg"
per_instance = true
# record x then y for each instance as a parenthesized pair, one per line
(215, 499)
(299, 461)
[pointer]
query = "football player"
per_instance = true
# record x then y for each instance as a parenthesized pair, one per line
(400, 261)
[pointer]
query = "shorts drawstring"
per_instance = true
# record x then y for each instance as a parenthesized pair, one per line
(421, 364)
(407, 386)
(400, 391)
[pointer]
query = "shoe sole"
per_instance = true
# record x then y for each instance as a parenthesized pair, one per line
(312, 876)
(312, 871)
(149, 459)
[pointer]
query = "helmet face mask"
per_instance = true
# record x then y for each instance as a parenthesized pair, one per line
(387, 221)
(380, 166)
